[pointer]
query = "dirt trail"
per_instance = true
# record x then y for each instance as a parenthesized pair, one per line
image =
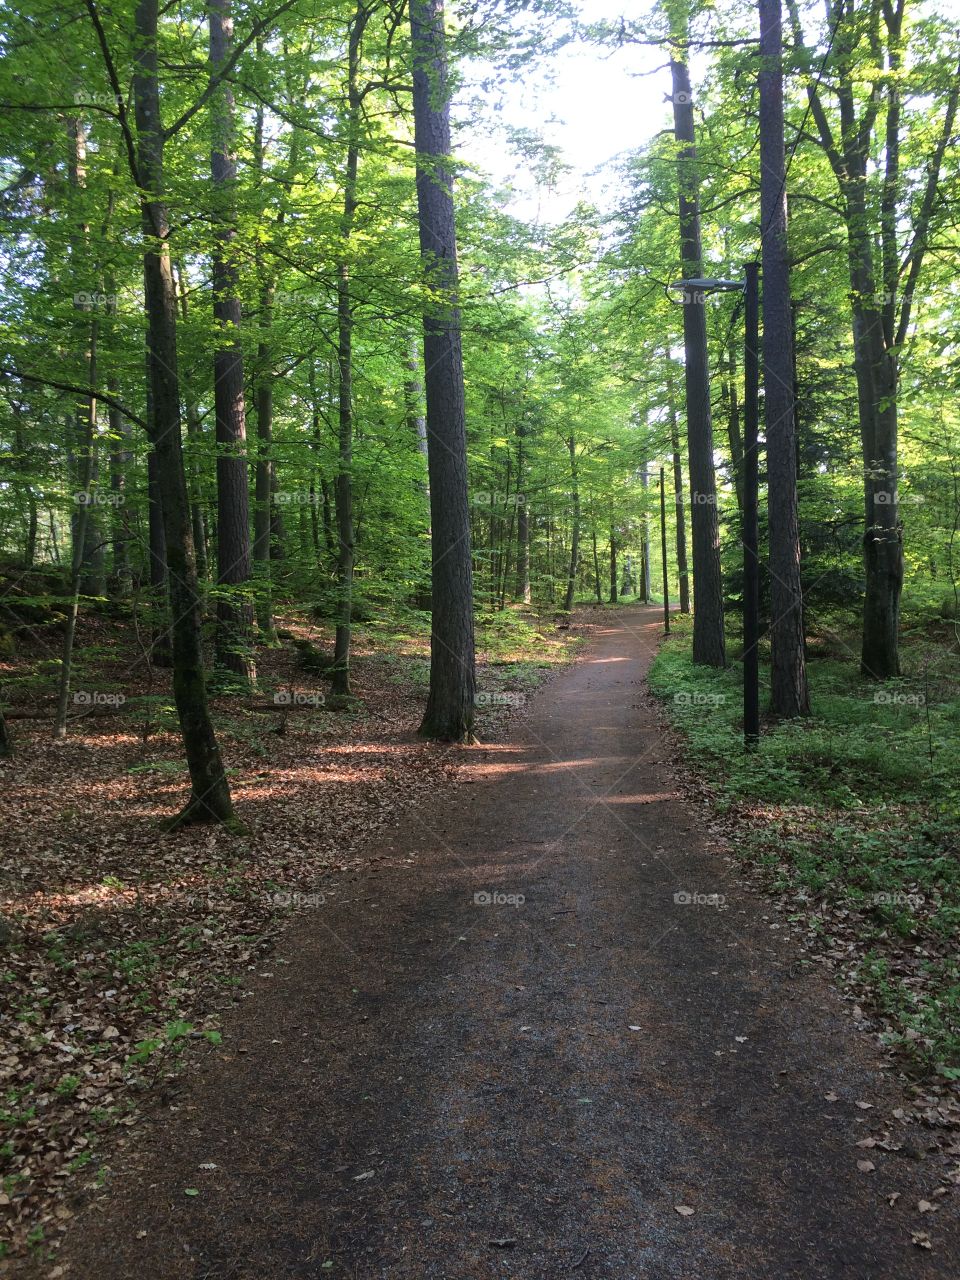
(430, 1087)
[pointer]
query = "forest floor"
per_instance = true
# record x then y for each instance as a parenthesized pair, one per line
(120, 945)
(543, 1027)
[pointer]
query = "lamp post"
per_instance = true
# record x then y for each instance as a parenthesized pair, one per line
(750, 288)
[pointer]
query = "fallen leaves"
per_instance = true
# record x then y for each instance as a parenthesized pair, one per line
(123, 942)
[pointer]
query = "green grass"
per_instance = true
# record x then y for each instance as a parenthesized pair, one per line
(855, 811)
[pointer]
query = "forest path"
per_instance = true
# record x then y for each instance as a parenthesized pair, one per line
(427, 1087)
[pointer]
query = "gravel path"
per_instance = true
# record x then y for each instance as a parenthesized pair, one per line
(530, 1083)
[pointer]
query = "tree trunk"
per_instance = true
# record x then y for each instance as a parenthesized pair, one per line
(731, 403)
(788, 676)
(645, 542)
(682, 572)
(160, 654)
(575, 518)
(87, 419)
(613, 567)
(344, 490)
(522, 589)
(708, 634)
(210, 794)
(596, 564)
(235, 651)
(23, 472)
(122, 581)
(263, 491)
(450, 705)
(198, 522)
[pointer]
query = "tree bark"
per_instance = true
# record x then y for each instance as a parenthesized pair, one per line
(344, 488)
(210, 794)
(235, 651)
(87, 420)
(575, 521)
(881, 320)
(198, 521)
(682, 571)
(789, 695)
(450, 705)
(708, 633)
(645, 541)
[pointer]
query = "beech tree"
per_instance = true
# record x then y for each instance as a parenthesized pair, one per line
(788, 677)
(709, 646)
(449, 713)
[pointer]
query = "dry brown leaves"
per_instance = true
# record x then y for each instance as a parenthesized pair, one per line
(119, 944)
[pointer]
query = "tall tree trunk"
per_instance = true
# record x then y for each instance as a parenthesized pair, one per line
(235, 651)
(120, 455)
(575, 519)
(413, 396)
(23, 472)
(87, 418)
(645, 542)
(417, 425)
(708, 634)
(344, 489)
(194, 449)
(613, 567)
(85, 526)
(263, 489)
(789, 695)
(210, 794)
(160, 652)
(450, 705)
(682, 572)
(731, 405)
(881, 321)
(522, 589)
(596, 564)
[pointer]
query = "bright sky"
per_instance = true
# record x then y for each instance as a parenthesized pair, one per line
(591, 102)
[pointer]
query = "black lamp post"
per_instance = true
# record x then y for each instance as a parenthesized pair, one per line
(750, 289)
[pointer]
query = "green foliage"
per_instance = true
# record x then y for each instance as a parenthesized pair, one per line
(860, 805)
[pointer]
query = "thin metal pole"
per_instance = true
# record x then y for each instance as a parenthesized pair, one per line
(663, 549)
(751, 485)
